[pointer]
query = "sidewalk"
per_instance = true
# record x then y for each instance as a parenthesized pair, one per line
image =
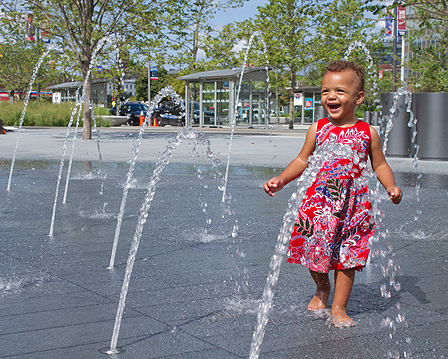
(255, 147)
(195, 288)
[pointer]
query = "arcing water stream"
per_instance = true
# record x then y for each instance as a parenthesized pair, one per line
(77, 107)
(165, 92)
(185, 133)
(22, 117)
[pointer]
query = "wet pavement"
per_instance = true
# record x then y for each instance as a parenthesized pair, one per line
(195, 288)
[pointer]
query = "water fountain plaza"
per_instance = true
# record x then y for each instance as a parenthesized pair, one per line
(195, 288)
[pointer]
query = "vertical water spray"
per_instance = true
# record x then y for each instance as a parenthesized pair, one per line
(370, 65)
(61, 165)
(72, 152)
(233, 120)
(389, 268)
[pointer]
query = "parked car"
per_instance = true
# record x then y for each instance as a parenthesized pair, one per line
(132, 110)
(170, 113)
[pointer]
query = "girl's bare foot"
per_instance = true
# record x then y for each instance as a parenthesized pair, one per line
(319, 300)
(323, 289)
(341, 319)
(343, 280)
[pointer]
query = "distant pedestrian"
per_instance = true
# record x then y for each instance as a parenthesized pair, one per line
(335, 225)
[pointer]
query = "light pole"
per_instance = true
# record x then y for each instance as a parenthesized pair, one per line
(149, 80)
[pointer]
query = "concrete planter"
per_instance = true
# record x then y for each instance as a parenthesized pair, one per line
(431, 111)
(399, 140)
(432, 125)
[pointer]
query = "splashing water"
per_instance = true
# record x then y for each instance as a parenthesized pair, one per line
(370, 67)
(389, 268)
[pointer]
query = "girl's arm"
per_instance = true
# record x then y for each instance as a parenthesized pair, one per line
(297, 165)
(381, 167)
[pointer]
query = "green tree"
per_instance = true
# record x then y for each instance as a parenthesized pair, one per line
(220, 49)
(82, 27)
(286, 31)
(16, 65)
(344, 25)
(19, 57)
(188, 27)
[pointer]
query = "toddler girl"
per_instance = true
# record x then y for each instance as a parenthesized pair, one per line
(334, 227)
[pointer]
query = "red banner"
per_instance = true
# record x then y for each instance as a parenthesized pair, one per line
(402, 20)
(44, 35)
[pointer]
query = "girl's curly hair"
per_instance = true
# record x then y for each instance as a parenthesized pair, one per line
(344, 65)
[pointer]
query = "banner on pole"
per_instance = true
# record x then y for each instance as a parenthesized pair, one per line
(154, 73)
(401, 20)
(44, 35)
(30, 30)
(389, 24)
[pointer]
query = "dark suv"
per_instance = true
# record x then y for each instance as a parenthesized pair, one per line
(170, 113)
(132, 110)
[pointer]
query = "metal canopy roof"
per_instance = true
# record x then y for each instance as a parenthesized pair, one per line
(220, 74)
(66, 85)
(73, 84)
(309, 89)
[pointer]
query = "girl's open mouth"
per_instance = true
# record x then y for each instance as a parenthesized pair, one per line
(334, 106)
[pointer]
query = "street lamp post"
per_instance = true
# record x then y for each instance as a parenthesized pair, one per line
(149, 80)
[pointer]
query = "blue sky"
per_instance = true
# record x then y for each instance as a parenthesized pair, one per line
(249, 9)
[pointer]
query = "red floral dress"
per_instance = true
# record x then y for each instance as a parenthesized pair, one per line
(335, 223)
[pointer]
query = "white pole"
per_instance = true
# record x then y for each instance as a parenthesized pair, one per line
(402, 58)
(149, 80)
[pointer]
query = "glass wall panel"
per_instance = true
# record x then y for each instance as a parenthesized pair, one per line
(208, 103)
(222, 102)
(193, 103)
(242, 113)
(258, 103)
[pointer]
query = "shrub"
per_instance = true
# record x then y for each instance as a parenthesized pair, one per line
(43, 114)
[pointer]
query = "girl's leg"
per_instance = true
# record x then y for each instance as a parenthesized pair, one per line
(343, 283)
(320, 299)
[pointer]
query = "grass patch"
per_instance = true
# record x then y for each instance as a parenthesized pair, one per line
(44, 114)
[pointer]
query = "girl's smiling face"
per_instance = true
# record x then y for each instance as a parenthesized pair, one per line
(340, 95)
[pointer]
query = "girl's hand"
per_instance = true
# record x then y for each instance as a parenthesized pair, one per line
(275, 184)
(395, 194)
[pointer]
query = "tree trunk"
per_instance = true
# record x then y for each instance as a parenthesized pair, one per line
(277, 104)
(87, 114)
(291, 110)
(291, 99)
